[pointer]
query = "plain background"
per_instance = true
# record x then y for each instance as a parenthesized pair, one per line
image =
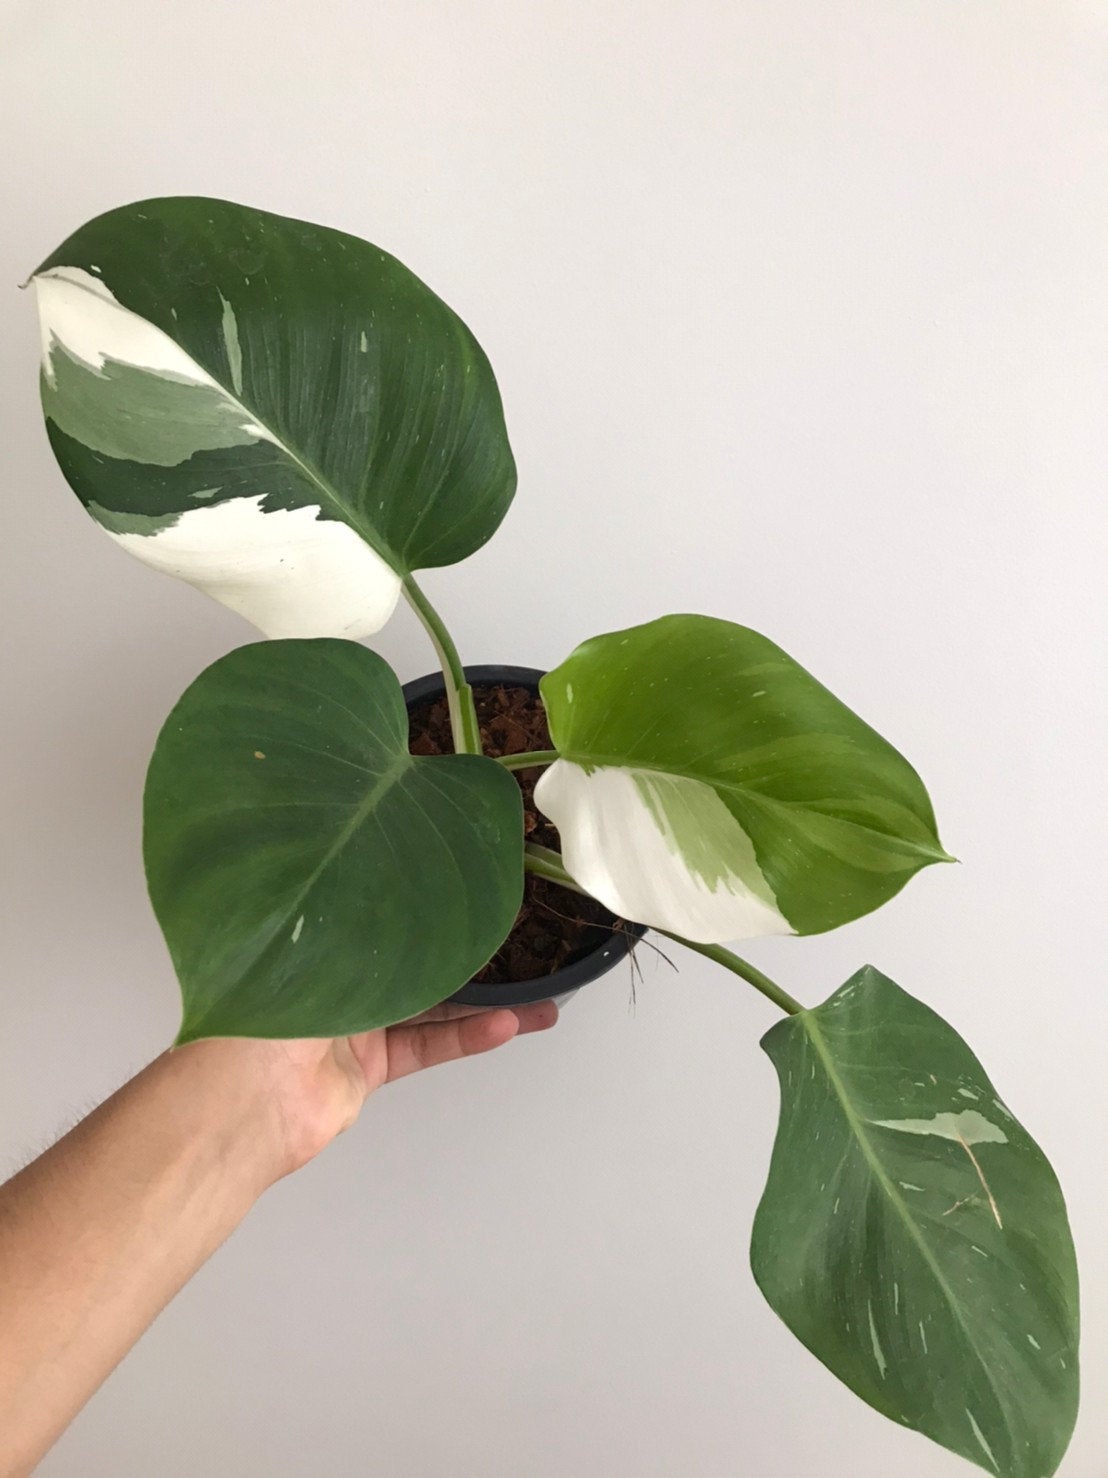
(798, 314)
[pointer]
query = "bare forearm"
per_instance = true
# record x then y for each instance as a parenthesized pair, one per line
(99, 1233)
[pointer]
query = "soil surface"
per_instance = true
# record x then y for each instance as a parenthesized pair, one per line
(554, 927)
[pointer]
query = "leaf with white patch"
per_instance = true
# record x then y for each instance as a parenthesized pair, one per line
(276, 412)
(708, 785)
(313, 878)
(913, 1235)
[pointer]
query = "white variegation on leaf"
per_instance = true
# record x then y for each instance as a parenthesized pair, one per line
(279, 414)
(708, 785)
(287, 571)
(659, 848)
(79, 313)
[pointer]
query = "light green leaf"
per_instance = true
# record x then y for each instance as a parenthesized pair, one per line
(913, 1235)
(312, 878)
(279, 413)
(710, 786)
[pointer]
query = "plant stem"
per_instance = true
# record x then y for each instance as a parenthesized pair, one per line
(459, 695)
(528, 758)
(743, 968)
(547, 864)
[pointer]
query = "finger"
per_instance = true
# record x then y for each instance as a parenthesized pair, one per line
(419, 1044)
(539, 1016)
(448, 1011)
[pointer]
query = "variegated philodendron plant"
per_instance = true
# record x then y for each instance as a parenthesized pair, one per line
(287, 418)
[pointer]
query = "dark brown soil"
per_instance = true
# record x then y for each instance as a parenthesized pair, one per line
(554, 927)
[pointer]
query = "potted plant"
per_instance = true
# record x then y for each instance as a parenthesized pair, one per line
(284, 416)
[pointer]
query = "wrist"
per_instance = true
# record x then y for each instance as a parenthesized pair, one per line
(232, 1095)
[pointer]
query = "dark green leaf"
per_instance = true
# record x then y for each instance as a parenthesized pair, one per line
(913, 1235)
(311, 876)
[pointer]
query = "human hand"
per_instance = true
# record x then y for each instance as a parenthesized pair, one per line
(316, 1086)
(98, 1233)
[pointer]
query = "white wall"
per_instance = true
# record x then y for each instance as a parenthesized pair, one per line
(798, 313)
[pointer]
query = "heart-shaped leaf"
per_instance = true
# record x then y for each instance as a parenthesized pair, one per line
(279, 413)
(710, 786)
(312, 877)
(913, 1235)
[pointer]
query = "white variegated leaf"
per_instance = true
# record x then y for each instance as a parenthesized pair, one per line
(708, 785)
(275, 412)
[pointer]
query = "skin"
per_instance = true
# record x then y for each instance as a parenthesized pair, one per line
(100, 1232)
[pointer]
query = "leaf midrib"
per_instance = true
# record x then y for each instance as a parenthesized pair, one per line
(749, 793)
(348, 514)
(382, 784)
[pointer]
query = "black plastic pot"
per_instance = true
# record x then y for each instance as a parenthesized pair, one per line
(577, 973)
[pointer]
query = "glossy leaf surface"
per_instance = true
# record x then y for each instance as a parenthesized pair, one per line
(709, 785)
(312, 878)
(280, 413)
(913, 1235)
